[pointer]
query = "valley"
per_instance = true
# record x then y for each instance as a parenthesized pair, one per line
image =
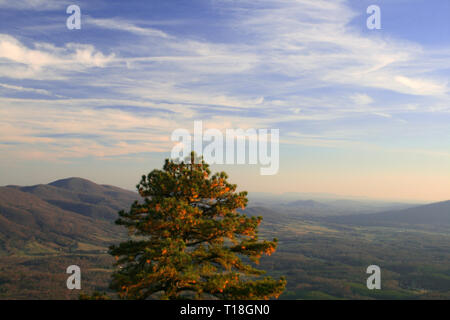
(45, 228)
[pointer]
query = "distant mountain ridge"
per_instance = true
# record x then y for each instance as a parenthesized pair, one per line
(430, 214)
(83, 196)
(313, 205)
(60, 215)
(74, 213)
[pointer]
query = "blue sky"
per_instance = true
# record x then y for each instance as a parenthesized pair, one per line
(361, 112)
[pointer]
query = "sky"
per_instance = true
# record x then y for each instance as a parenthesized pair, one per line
(360, 112)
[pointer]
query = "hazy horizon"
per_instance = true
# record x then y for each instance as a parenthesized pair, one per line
(295, 195)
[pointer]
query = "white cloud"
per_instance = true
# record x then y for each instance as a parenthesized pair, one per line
(46, 59)
(421, 86)
(23, 89)
(119, 24)
(40, 5)
(361, 99)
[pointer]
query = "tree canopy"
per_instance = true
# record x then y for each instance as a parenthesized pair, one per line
(188, 239)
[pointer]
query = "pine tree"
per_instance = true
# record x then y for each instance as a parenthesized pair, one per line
(188, 239)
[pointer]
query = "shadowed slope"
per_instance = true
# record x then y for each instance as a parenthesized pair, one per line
(61, 215)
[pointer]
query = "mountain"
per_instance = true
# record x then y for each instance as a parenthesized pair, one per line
(308, 204)
(435, 214)
(66, 214)
(83, 196)
(270, 216)
(47, 227)
(315, 205)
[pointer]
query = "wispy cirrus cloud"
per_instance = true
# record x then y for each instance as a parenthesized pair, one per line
(125, 26)
(301, 66)
(21, 61)
(40, 5)
(23, 89)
